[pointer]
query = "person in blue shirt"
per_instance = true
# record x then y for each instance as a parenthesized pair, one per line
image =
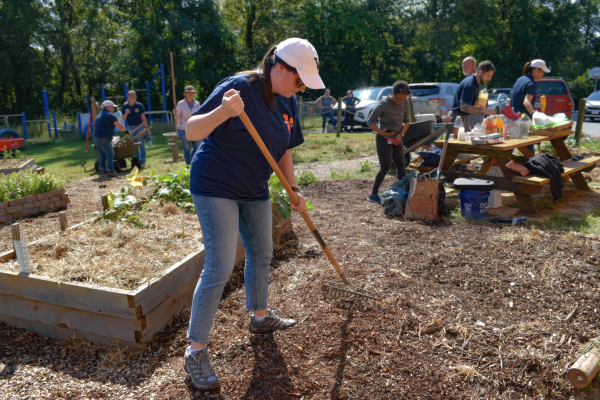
(524, 91)
(351, 102)
(464, 100)
(229, 184)
(103, 134)
(133, 115)
(326, 102)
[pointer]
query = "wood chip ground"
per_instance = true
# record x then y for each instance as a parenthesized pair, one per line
(470, 311)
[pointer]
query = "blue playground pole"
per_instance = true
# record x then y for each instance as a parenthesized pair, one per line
(102, 90)
(46, 111)
(148, 96)
(55, 130)
(126, 92)
(162, 79)
(66, 125)
(24, 121)
(87, 101)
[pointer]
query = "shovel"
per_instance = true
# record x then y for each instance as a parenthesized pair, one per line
(87, 140)
(334, 287)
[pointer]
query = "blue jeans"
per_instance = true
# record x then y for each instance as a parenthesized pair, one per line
(106, 152)
(531, 148)
(187, 154)
(220, 220)
(141, 151)
(331, 118)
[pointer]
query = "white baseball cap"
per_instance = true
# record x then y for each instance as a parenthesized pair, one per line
(540, 64)
(300, 54)
(108, 103)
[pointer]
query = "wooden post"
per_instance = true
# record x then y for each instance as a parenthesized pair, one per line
(339, 117)
(580, 119)
(411, 109)
(15, 231)
(62, 216)
(585, 368)
(104, 198)
(94, 109)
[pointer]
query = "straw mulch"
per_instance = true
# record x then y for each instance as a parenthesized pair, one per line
(116, 254)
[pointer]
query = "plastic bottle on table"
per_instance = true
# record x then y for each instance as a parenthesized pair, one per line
(482, 99)
(499, 125)
(458, 123)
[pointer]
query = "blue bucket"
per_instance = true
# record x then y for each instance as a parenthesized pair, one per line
(473, 203)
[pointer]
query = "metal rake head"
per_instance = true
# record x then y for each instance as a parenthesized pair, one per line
(353, 293)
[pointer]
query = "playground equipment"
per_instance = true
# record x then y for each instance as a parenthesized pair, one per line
(166, 118)
(49, 119)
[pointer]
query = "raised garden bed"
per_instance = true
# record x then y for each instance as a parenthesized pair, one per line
(73, 292)
(32, 205)
(8, 166)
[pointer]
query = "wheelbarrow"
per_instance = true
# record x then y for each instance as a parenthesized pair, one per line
(121, 153)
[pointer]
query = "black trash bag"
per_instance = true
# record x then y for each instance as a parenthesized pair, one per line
(393, 199)
(442, 207)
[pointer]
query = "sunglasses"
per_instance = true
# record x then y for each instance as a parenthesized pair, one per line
(299, 82)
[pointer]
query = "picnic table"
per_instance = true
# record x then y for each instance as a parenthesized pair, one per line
(500, 154)
(173, 142)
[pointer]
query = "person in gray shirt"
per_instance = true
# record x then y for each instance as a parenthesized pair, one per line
(394, 119)
(327, 103)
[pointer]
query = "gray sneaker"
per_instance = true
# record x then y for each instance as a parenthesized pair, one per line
(198, 366)
(270, 323)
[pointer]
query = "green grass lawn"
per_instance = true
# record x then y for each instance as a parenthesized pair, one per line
(327, 147)
(65, 155)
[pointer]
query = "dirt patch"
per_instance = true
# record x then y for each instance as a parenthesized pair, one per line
(470, 310)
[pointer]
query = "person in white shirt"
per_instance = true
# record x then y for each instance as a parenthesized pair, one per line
(185, 109)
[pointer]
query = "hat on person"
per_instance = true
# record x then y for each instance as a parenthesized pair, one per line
(349, 91)
(189, 89)
(540, 64)
(302, 55)
(108, 103)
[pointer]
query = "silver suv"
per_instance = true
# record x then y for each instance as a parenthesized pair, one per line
(433, 98)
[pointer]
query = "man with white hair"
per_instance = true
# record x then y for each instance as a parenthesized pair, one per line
(469, 66)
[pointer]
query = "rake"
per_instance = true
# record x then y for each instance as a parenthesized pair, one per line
(333, 288)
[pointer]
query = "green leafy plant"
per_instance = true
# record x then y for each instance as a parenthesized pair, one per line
(175, 187)
(366, 166)
(123, 205)
(280, 199)
(306, 178)
(26, 183)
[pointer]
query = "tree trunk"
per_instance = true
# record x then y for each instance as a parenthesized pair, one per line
(249, 25)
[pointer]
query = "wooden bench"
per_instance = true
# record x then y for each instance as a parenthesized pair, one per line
(585, 165)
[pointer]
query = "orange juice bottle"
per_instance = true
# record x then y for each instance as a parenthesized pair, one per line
(489, 126)
(499, 125)
(482, 99)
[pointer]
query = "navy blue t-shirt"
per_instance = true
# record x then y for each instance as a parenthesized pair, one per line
(228, 163)
(135, 114)
(466, 93)
(350, 102)
(523, 86)
(105, 125)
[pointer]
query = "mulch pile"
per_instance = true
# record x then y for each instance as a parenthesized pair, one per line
(470, 310)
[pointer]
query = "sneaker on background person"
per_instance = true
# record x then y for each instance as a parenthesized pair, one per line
(374, 198)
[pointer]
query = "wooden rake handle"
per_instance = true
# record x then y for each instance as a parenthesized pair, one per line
(261, 145)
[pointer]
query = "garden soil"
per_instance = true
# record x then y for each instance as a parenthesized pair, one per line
(469, 311)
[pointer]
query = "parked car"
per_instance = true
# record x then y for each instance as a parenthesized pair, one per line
(558, 96)
(369, 97)
(592, 107)
(497, 101)
(506, 91)
(433, 98)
